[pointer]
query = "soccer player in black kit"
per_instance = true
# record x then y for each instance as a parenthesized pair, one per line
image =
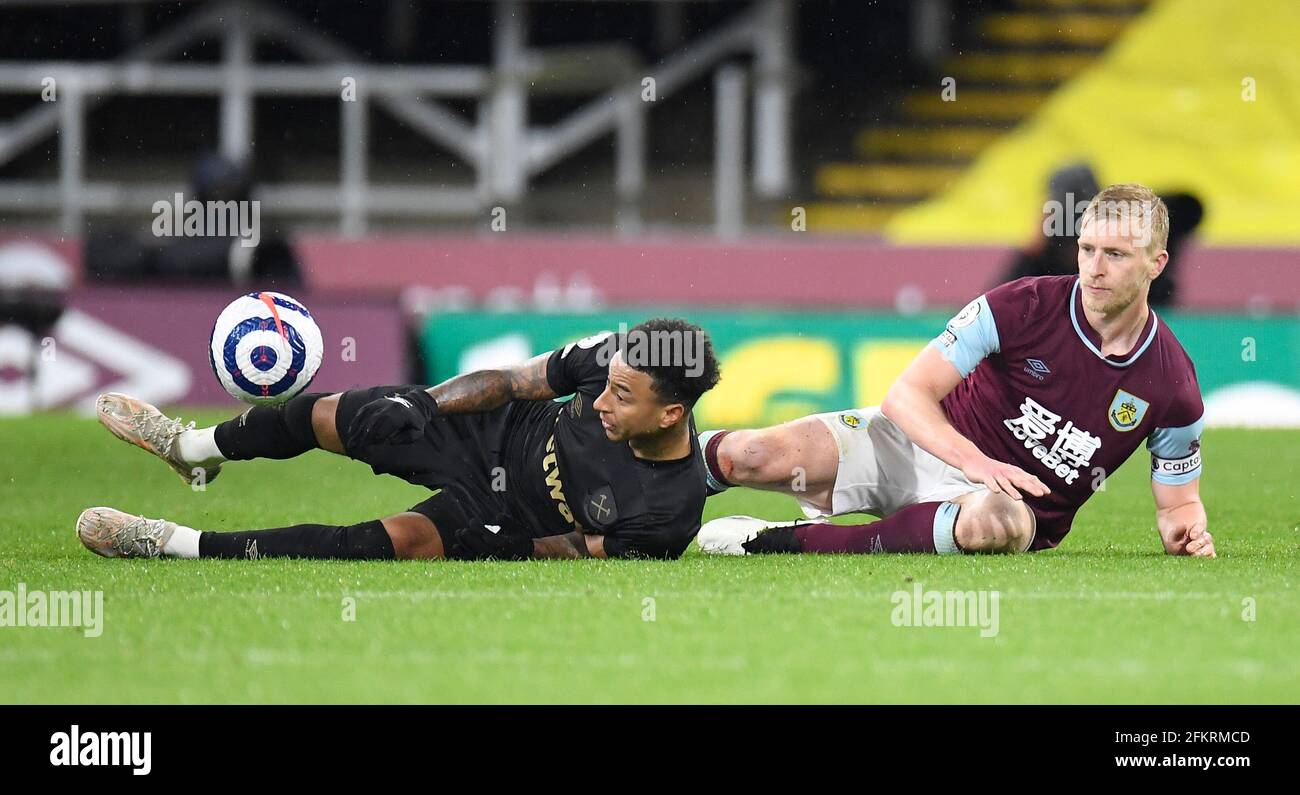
(615, 471)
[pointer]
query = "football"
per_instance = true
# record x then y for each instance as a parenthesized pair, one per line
(265, 348)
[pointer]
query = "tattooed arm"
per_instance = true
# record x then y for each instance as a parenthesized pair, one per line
(484, 390)
(401, 419)
(569, 545)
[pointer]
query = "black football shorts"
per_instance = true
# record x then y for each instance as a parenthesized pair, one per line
(457, 457)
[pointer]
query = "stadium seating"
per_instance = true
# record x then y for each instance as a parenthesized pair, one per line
(1207, 135)
(1013, 64)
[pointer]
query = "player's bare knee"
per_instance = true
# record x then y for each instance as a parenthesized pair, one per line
(323, 423)
(994, 523)
(414, 536)
(749, 457)
(733, 458)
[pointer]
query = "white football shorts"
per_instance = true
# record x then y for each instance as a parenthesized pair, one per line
(881, 470)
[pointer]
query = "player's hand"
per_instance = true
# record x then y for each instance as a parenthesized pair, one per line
(492, 542)
(395, 419)
(1001, 478)
(1189, 538)
(1200, 544)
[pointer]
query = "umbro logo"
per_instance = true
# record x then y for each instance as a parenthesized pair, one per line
(399, 399)
(1037, 368)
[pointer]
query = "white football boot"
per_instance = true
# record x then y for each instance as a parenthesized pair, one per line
(146, 427)
(112, 534)
(730, 535)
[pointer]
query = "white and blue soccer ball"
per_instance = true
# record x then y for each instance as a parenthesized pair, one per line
(265, 348)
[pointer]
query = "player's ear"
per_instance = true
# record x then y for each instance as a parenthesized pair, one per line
(672, 413)
(1157, 264)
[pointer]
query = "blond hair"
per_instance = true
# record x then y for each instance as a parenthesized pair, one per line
(1136, 205)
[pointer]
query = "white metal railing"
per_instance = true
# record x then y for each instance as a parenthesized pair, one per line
(499, 144)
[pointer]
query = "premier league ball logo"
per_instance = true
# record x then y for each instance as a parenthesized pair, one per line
(265, 348)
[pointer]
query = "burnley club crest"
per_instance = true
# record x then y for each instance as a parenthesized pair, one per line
(1126, 411)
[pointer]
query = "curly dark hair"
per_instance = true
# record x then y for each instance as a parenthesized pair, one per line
(676, 354)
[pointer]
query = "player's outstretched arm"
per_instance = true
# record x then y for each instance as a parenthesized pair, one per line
(570, 546)
(400, 419)
(484, 390)
(637, 541)
(1181, 520)
(913, 403)
(491, 542)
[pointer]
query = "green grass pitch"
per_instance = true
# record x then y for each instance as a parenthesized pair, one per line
(1105, 618)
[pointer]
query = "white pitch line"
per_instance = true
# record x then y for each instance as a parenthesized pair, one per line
(746, 594)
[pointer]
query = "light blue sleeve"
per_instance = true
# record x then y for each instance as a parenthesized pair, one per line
(1176, 454)
(970, 336)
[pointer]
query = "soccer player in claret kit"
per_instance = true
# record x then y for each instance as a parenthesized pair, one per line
(614, 472)
(1003, 426)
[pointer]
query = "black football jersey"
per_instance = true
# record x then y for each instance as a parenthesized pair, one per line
(568, 475)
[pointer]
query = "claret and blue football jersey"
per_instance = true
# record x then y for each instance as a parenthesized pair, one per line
(1037, 392)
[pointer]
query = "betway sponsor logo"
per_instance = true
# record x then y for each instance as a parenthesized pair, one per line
(551, 466)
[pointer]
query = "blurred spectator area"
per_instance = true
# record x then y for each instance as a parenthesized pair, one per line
(926, 122)
(461, 106)
(554, 163)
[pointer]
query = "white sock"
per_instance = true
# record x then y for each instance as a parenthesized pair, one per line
(184, 543)
(199, 447)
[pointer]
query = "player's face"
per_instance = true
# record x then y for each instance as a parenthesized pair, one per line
(629, 407)
(1114, 267)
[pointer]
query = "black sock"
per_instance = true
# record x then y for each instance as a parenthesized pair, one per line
(365, 541)
(282, 431)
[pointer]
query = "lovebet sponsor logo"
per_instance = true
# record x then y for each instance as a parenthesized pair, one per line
(929, 608)
(22, 607)
(75, 748)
